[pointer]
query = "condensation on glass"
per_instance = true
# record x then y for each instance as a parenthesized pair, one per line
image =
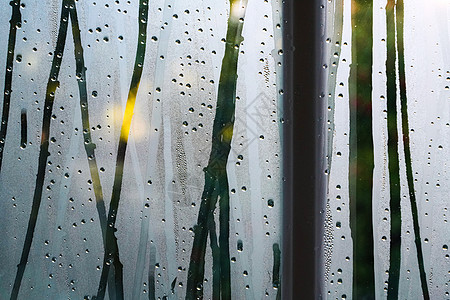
(141, 149)
(385, 218)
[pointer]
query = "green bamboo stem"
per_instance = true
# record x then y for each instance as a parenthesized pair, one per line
(394, 168)
(407, 149)
(111, 256)
(394, 22)
(361, 150)
(216, 181)
(52, 85)
(14, 23)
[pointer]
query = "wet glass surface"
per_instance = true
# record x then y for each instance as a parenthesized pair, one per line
(140, 149)
(386, 214)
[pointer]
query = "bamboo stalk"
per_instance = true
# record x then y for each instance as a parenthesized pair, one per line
(216, 181)
(111, 255)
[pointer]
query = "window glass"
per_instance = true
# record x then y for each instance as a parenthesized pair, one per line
(386, 212)
(140, 149)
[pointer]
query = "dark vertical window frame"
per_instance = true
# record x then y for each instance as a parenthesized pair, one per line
(304, 147)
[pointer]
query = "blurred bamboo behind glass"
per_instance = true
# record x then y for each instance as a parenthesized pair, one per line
(140, 151)
(385, 220)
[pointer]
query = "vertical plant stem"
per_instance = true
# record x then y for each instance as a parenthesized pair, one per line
(361, 150)
(197, 263)
(112, 249)
(276, 281)
(405, 132)
(89, 146)
(52, 84)
(23, 128)
(224, 237)
(156, 122)
(394, 169)
(216, 180)
(215, 249)
(14, 23)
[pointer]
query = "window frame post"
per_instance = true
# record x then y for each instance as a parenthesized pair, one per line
(304, 148)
